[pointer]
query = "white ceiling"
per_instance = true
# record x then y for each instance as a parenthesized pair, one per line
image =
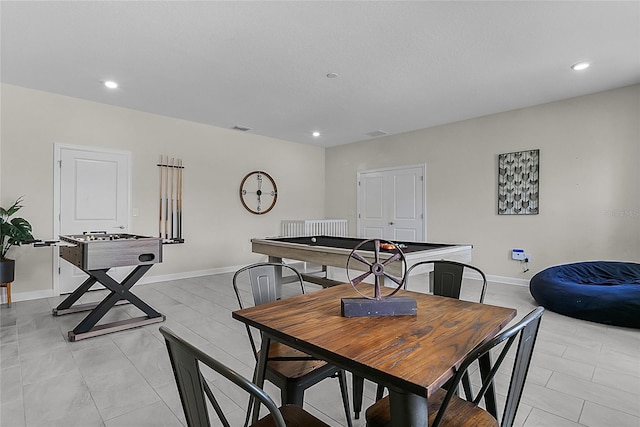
(402, 65)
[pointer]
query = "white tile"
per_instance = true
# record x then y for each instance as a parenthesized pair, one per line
(120, 391)
(597, 393)
(43, 366)
(621, 381)
(562, 404)
(594, 415)
(567, 338)
(627, 345)
(60, 401)
(605, 359)
(549, 347)
(100, 360)
(9, 355)
(137, 340)
(8, 316)
(559, 364)
(40, 340)
(11, 384)
(12, 413)
(154, 415)
(169, 394)
(539, 418)
(154, 366)
(582, 372)
(8, 334)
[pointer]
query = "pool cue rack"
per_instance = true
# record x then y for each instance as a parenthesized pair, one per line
(170, 200)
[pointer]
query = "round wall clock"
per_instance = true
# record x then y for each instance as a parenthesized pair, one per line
(258, 192)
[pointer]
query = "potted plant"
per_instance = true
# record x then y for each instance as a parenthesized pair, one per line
(13, 231)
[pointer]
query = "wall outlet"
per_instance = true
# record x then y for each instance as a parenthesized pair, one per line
(518, 254)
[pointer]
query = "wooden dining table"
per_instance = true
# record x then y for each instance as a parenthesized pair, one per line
(413, 356)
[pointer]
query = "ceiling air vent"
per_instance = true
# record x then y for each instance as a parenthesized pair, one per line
(377, 133)
(241, 128)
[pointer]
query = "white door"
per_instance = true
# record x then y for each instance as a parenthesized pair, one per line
(94, 195)
(391, 204)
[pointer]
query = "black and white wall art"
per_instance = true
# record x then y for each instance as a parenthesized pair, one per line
(518, 183)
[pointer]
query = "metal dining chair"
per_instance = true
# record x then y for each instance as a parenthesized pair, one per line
(445, 280)
(448, 278)
(447, 409)
(290, 370)
(195, 392)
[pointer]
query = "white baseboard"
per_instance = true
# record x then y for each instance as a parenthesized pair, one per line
(508, 280)
(26, 296)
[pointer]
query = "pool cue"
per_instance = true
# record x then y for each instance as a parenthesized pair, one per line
(160, 198)
(166, 200)
(179, 197)
(172, 166)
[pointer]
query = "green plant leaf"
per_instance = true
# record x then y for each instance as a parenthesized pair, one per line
(13, 231)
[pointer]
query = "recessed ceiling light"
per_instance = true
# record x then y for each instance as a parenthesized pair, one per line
(332, 75)
(580, 66)
(316, 134)
(111, 84)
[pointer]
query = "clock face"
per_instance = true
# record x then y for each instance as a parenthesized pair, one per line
(258, 192)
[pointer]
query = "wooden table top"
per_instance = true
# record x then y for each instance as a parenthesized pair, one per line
(411, 353)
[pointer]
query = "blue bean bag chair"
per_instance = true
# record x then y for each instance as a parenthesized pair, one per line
(600, 291)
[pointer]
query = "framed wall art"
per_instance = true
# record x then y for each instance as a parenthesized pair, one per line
(519, 183)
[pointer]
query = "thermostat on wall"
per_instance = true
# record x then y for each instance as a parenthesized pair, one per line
(518, 254)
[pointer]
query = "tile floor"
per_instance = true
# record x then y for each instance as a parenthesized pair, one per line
(582, 374)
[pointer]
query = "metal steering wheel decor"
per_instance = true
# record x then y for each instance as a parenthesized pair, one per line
(377, 267)
(377, 305)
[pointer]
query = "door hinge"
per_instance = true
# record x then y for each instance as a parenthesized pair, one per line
(59, 270)
(60, 163)
(421, 177)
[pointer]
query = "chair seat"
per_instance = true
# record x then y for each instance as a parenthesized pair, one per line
(292, 369)
(459, 413)
(293, 416)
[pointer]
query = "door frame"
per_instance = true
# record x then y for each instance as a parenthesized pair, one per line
(57, 158)
(422, 166)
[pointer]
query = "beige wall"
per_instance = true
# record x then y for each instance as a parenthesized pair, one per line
(217, 228)
(589, 184)
(589, 181)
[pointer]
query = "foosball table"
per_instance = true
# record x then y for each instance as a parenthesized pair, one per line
(96, 254)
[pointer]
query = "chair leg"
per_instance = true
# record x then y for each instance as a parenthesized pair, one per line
(379, 392)
(358, 391)
(466, 386)
(490, 396)
(342, 378)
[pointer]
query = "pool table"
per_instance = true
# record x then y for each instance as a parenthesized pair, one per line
(329, 251)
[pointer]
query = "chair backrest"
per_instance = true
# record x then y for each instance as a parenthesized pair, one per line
(194, 390)
(527, 329)
(264, 284)
(447, 277)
